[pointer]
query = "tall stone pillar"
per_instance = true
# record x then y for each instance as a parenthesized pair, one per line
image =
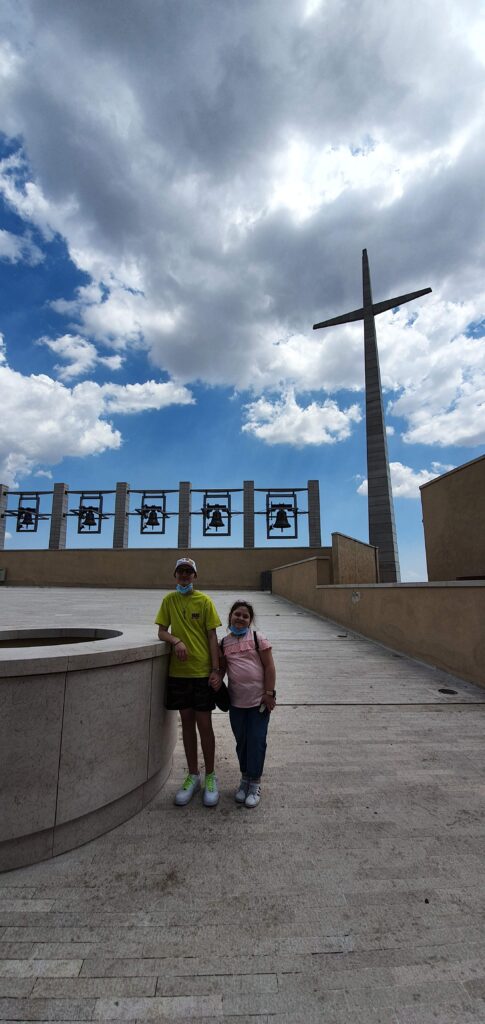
(3, 518)
(248, 513)
(122, 522)
(57, 538)
(184, 515)
(314, 527)
(382, 528)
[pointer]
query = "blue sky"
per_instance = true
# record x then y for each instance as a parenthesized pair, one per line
(184, 190)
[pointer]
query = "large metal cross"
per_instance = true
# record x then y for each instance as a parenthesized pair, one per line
(382, 528)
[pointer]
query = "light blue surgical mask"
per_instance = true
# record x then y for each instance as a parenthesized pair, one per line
(185, 590)
(239, 632)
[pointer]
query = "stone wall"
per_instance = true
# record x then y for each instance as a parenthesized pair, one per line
(454, 522)
(437, 623)
(218, 568)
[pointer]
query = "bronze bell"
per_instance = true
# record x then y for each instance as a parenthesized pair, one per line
(152, 518)
(217, 520)
(281, 522)
(89, 518)
(25, 517)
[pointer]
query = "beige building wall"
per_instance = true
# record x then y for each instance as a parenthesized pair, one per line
(221, 568)
(454, 523)
(347, 561)
(353, 561)
(438, 623)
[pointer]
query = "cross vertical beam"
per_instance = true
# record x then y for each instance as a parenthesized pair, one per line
(380, 505)
(382, 527)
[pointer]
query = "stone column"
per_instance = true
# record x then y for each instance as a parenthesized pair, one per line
(184, 515)
(3, 518)
(314, 528)
(248, 513)
(382, 528)
(57, 538)
(122, 522)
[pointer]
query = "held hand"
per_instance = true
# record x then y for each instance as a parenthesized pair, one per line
(181, 651)
(215, 681)
(269, 701)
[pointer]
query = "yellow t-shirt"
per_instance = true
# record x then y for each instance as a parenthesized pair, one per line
(189, 616)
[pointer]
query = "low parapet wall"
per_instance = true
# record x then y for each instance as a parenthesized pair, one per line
(438, 623)
(218, 568)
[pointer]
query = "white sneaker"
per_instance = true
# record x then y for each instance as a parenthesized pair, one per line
(187, 790)
(254, 795)
(211, 792)
(242, 791)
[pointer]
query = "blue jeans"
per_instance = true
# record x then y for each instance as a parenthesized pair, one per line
(250, 726)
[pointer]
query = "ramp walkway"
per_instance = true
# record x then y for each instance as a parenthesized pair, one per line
(354, 894)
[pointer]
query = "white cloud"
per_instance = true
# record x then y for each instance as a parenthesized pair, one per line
(132, 398)
(19, 249)
(81, 356)
(43, 421)
(406, 481)
(284, 421)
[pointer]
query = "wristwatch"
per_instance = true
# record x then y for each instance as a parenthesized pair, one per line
(270, 693)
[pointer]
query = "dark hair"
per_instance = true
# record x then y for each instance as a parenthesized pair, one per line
(241, 604)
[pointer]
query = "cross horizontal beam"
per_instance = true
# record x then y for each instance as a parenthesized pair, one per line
(375, 308)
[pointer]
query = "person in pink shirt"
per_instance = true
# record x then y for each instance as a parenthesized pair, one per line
(247, 657)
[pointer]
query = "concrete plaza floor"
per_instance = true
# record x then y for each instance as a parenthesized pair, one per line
(354, 893)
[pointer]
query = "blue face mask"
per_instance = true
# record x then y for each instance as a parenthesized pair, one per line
(185, 590)
(239, 632)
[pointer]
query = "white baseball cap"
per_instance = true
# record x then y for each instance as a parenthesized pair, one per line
(185, 561)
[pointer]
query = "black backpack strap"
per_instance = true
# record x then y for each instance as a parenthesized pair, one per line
(256, 641)
(221, 645)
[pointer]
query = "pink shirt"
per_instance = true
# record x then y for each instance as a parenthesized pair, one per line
(244, 669)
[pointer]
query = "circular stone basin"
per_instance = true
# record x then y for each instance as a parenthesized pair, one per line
(85, 739)
(52, 637)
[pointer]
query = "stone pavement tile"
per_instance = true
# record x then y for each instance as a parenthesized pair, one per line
(440, 994)
(446, 898)
(18, 904)
(433, 935)
(46, 1009)
(40, 968)
(87, 988)
(444, 1015)
(330, 978)
(308, 1015)
(311, 996)
(217, 984)
(158, 1008)
(16, 887)
(466, 970)
(188, 966)
(15, 987)
(442, 955)
(12, 950)
(55, 950)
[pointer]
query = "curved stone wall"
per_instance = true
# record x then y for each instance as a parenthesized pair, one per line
(85, 740)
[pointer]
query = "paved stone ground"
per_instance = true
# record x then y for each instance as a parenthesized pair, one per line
(354, 893)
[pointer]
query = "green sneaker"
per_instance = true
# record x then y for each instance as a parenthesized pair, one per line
(187, 790)
(211, 792)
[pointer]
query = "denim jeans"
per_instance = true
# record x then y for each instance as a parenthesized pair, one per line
(250, 726)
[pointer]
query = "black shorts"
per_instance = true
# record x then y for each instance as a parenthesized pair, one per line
(184, 692)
